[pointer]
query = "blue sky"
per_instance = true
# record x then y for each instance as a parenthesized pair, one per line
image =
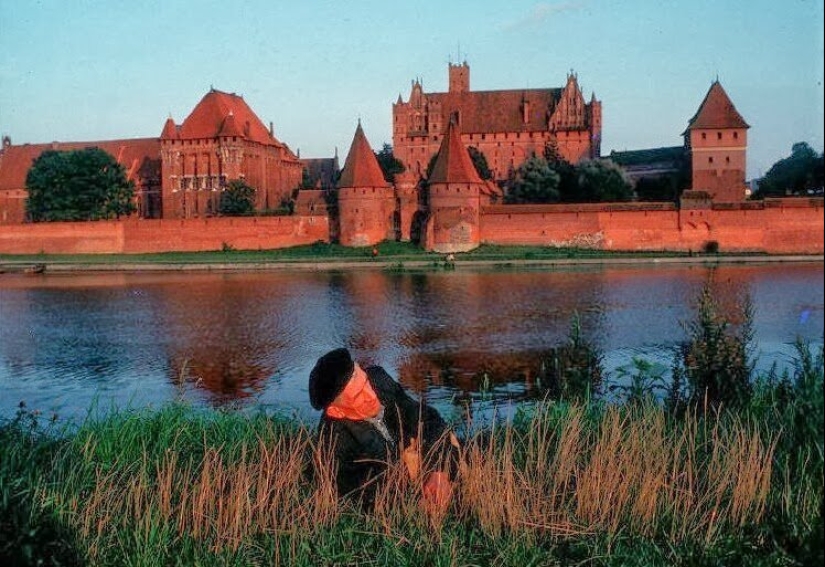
(94, 70)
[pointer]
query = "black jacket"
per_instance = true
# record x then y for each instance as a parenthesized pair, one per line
(362, 451)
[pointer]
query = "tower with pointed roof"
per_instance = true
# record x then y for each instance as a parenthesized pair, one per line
(507, 126)
(717, 141)
(366, 204)
(221, 140)
(455, 190)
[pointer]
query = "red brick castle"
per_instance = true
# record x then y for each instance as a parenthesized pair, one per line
(507, 126)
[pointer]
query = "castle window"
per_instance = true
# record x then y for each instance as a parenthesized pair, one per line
(484, 136)
(710, 159)
(719, 135)
(736, 135)
(704, 136)
(727, 159)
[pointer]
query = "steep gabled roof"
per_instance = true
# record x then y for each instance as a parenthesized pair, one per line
(716, 111)
(208, 117)
(647, 156)
(499, 111)
(229, 128)
(361, 168)
(321, 171)
(140, 157)
(453, 164)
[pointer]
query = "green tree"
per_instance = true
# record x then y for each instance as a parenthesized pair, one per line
(237, 199)
(480, 163)
(390, 166)
(602, 181)
(534, 182)
(568, 175)
(78, 185)
(796, 174)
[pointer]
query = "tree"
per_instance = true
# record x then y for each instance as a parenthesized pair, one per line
(602, 181)
(797, 174)
(78, 185)
(390, 166)
(237, 199)
(480, 163)
(534, 182)
(568, 176)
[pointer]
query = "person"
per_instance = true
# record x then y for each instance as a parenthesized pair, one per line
(372, 422)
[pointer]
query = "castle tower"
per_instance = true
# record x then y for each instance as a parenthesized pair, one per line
(365, 200)
(455, 190)
(716, 138)
(459, 78)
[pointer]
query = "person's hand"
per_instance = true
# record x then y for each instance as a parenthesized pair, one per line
(411, 457)
(437, 491)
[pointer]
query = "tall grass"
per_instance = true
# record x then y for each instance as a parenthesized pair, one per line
(185, 486)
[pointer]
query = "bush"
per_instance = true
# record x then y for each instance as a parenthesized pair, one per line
(714, 360)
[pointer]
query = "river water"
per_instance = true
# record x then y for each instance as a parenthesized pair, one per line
(465, 340)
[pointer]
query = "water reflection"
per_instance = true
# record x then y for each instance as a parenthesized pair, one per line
(462, 339)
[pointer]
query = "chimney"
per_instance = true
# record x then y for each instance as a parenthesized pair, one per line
(271, 129)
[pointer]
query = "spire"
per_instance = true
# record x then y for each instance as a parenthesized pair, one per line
(170, 131)
(361, 168)
(453, 164)
(717, 111)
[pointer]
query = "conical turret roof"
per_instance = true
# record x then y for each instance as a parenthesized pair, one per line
(453, 164)
(717, 111)
(361, 168)
(170, 131)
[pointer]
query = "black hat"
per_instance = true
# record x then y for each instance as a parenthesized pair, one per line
(329, 377)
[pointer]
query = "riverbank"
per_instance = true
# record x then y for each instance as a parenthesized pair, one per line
(386, 256)
(566, 483)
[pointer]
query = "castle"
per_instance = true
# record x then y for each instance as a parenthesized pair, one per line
(180, 175)
(507, 126)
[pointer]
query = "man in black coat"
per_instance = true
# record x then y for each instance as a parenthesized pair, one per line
(371, 422)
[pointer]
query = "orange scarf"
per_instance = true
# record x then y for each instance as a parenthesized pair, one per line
(357, 401)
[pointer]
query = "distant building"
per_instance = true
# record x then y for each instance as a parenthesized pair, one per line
(222, 139)
(140, 157)
(717, 140)
(507, 126)
(182, 173)
(710, 164)
(321, 173)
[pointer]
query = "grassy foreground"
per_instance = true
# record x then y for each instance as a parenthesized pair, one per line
(579, 483)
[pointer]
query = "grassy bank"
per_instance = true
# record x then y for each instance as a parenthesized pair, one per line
(323, 252)
(565, 483)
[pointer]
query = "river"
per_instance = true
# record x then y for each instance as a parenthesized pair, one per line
(467, 340)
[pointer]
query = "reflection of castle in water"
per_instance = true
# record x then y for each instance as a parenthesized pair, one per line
(465, 331)
(225, 333)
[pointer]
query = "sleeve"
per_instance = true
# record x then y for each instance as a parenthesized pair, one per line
(439, 447)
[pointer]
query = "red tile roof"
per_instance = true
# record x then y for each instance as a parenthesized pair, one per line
(140, 157)
(361, 168)
(170, 131)
(453, 164)
(208, 117)
(717, 111)
(498, 111)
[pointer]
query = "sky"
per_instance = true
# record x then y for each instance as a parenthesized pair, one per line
(82, 70)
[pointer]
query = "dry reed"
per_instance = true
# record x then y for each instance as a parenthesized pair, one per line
(561, 475)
